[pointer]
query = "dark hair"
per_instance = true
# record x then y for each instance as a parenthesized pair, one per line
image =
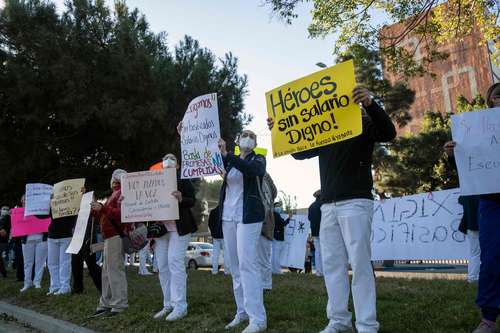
(490, 92)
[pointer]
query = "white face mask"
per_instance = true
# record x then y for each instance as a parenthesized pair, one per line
(247, 143)
(4, 212)
(170, 163)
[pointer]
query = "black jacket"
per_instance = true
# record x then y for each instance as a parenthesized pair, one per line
(214, 224)
(5, 225)
(469, 221)
(279, 227)
(346, 166)
(186, 223)
(314, 215)
(253, 167)
(62, 227)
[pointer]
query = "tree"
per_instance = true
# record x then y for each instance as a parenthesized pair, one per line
(433, 22)
(89, 90)
(416, 163)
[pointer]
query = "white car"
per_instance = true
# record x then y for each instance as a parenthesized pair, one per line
(199, 254)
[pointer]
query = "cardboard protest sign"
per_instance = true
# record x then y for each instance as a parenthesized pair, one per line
(314, 111)
(81, 224)
(67, 198)
(200, 138)
(477, 151)
(296, 233)
(147, 196)
(419, 227)
(37, 199)
(29, 225)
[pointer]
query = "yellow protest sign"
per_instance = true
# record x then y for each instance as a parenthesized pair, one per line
(314, 111)
(256, 150)
(67, 197)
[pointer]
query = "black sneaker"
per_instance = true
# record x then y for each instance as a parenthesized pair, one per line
(99, 313)
(112, 313)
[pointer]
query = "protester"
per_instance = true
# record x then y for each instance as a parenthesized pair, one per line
(215, 228)
(469, 226)
(267, 194)
(242, 215)
(114, 297)
(34, 254)
(170, 249)
(346, 216)
(488, 292)
(279, 236)
(85, 255)
(4, 237)
(59, 262)
(314, 215)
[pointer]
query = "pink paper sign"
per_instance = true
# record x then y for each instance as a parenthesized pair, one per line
(22, 226)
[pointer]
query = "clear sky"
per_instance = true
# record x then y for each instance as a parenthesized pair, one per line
(270, 53)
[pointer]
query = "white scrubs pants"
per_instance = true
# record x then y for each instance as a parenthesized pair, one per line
(170, 252)
(59, 264)
(474, 256)
(345, 238)
(218, 244)
(242, 242)
(276, 251)
(264, 259)
(34, 253)
(317, 256)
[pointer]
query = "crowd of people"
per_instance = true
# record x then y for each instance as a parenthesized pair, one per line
(248, 226)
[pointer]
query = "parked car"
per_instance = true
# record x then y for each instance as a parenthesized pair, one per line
(199, 254)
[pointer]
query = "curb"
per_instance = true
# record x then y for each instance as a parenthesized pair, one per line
(40, 321)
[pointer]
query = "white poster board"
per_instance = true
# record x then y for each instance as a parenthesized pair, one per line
(200, 139)
(477, 151)
(294, 249)
(81, 224)
(418, 227)
(147, 196)
(37, 199)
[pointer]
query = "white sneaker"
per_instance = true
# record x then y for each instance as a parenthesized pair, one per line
(62, 292)
(176, 315)
(52, 292)
(25, 288)
(255, 328)
(37, 286)
(163, 312)
(146, 273)
(237, 321)
(331, 328)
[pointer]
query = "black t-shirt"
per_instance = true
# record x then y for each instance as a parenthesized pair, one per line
(62, 227)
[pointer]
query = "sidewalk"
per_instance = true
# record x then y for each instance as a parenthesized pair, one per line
(39, 321)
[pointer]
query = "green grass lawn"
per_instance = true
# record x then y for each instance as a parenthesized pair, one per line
(296, 304)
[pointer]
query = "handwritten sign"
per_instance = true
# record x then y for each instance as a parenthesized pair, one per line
(67, 198)
(314, 111)
(199, 138)
(148, 196)
(81, 224)
(37, 198)
(477, 151)
(417, 227)
(29, 225)
(296, 233)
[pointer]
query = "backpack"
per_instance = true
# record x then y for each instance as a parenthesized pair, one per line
(267, 193)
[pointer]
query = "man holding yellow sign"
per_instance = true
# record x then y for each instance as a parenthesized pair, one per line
(335, 130)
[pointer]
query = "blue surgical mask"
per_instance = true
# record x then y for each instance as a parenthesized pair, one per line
(278, 210)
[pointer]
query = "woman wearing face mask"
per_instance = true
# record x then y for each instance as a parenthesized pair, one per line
(34, 254)
(114, 297)
(242, 214)
(170, 249)
(279, 237)
(488, 291)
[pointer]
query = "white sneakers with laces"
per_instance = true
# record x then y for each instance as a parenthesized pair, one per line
(163, 312)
